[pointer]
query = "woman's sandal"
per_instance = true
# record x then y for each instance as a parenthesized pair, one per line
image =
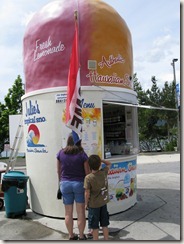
(74, 238)
(83, 239)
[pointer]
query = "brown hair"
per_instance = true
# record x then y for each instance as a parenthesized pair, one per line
(71, 148)
(94, 162)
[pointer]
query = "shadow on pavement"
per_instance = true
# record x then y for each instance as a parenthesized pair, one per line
(149, 201)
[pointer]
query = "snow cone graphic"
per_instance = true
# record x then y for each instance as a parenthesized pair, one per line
(33, 136)
(104, 42)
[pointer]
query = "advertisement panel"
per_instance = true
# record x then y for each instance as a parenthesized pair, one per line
(122, 183)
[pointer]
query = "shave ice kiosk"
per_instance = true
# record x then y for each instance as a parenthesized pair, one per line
(109, 115)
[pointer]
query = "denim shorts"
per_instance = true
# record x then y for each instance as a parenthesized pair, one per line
(96, 216)
(72, 191)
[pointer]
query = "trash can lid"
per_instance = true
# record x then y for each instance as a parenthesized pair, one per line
(15, 175)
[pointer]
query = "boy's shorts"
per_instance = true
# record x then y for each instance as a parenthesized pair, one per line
(96, 216)
(72, 191)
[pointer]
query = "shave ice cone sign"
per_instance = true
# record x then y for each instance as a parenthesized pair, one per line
(106, 60)
(104, 43)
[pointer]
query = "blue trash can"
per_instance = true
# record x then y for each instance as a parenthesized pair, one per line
(14, 186)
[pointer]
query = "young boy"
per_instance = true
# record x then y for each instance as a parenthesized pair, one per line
(96, 196)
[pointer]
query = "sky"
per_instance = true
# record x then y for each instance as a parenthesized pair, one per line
(154, 26)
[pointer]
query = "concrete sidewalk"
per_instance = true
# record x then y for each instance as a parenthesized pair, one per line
(149, 158)
(156, 216)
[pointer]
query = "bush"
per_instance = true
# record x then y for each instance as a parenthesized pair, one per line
(170, 145)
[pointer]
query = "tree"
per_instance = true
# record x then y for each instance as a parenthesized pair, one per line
(153, 94)
(13, 98)
(143, 114)
(12, 105)
(155, 125)
(141, 95)
(3, 126)
(168, 100)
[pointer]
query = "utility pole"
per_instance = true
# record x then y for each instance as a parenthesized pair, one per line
(176, 104)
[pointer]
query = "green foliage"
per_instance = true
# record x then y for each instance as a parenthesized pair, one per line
(148, 119)
(13, 98)
(170, 145)
(141, 95)
(12, 105)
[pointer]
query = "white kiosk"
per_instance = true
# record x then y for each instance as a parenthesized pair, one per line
(110, 119)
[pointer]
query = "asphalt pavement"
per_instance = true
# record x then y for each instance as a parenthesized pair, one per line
(155, 217)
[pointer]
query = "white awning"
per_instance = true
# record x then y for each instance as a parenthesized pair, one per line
(138, 105)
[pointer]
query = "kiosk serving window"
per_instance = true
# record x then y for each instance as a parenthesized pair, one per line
(120, 129)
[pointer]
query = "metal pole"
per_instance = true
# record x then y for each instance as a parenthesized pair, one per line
(176, 105)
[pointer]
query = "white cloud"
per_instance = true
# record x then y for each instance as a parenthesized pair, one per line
(11, 65)
(160, 42)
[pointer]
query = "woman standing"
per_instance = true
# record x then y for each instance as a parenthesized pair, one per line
(72, 167)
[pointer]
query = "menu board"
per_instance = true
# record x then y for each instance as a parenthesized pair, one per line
(91, 130)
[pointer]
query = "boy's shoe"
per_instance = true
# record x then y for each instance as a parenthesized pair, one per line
(89, 236)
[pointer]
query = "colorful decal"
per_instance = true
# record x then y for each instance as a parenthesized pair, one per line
(33, 139)
(122, 180)
(33, 136)
(91, 128)
(33, 132)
